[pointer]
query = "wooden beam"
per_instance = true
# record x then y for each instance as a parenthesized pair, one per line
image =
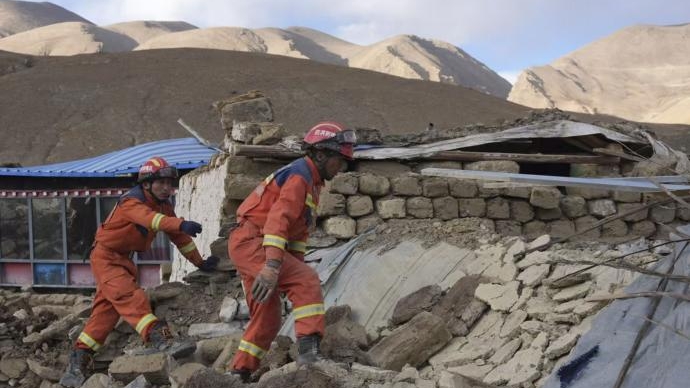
(278, 152)
(261, 151)
(467, 156)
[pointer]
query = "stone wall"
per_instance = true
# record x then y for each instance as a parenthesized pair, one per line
(200, 198)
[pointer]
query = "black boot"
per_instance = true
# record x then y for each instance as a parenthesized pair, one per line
(308, 349)
(244, 375)
(80, 365)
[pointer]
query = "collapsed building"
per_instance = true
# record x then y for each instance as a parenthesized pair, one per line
(432, 280)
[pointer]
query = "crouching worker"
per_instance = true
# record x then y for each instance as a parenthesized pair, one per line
(268, 247)
(131, 227)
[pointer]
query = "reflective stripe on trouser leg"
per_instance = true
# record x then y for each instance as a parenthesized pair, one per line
(144, 322)
(90, 342)
(253, 350)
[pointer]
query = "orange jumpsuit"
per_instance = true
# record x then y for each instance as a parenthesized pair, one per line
(131, 226)
(275, 221)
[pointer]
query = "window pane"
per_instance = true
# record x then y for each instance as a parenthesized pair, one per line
(47, 225)
(81, 227)
(107, 205)
(14, 229)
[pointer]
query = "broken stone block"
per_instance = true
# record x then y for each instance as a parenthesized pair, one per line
(97, 380)
(374, 185)
(390, 207)
(445, 208)
(637, 216)
(472, 371)
(561, 345)
(141, 382)
(383, 168)
(471, 207)
(244, 132)
(533, 327)
(420, 207)
(627, 196)
(545, 197)
(587, 192)
(458, 307)
(359, 205)
(538, 307)
(434, 187)
(524, 367)
(511, 326)
(533, 275)
(573, 206)
(208, 350)
(331, 205)
(601, 207)
(560, 228)
(345, 183)
(508, 228)
(549, 214)
(505, 353)
(449, 379)
(517, 192)
(663, 213)
(643, 228)
(270, 133)
(412, 343)
(494, 165)
(371, 373)
(534, 229)
(228, 309)
(406, 185)
(179, 376)
(462, 188)
(584, 223)
(497, 208)
(568, 307)
(683, 213)
(239, 186)
(368, 222)
(43, 372)
(342, 227)
(246, 108)
(487, 192)
(407, 375)
(155, 367)
(525, 295)
(500, 297)
(13, 368)
(210, 330)
(615, 228)
(573, 292)
(421, 300)
(521, 211)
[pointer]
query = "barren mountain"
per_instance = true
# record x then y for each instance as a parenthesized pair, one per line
(142, 30)
(69, 38)
(404, 56)
(640, 73)
(64, 108)
(18, 16)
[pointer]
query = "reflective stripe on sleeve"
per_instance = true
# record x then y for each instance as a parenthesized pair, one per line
(156, 222)
(274, 241)
(187, 248)
(310, 202)
(248, 347)
(309, 311)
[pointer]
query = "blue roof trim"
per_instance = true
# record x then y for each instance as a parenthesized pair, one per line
(185, 153)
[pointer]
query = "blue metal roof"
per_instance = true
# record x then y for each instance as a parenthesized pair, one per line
(186, 153)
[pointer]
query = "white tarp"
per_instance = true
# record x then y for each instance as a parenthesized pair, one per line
(554, 129)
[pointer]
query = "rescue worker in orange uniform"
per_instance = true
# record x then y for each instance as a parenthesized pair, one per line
(268, 247)
(132, 226)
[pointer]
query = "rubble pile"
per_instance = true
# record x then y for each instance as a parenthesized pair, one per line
(505, 320)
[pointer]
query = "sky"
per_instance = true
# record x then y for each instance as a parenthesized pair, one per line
(506, 35)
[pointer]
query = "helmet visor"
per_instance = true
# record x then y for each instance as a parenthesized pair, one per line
(167, 172)
(346, 136)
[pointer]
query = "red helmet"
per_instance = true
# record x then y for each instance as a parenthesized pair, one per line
(156, 168)
(333, 136)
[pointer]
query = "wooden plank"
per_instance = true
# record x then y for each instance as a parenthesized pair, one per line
(467, 156)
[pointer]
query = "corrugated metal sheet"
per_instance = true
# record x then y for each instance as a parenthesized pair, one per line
(185, 153)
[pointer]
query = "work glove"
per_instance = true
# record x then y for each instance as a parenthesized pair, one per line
(190, 227)
(210, 264)
(266, 281)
